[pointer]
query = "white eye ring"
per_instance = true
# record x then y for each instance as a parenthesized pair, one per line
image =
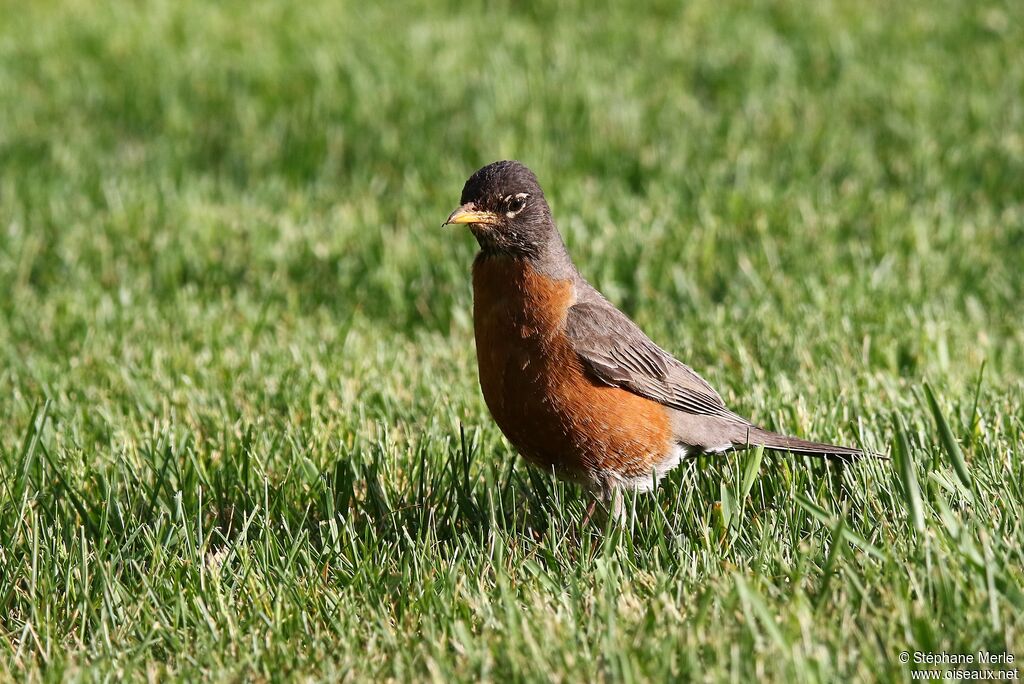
(518, 201)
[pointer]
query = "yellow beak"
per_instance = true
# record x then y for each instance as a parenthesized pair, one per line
(468, 213)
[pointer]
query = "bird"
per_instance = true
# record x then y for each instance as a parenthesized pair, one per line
(572, 382)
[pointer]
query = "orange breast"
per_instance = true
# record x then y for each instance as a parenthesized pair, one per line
(536, 389)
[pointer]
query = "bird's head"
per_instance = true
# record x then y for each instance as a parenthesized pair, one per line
(504, 207)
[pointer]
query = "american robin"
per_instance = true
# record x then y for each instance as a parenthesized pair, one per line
(572, 382)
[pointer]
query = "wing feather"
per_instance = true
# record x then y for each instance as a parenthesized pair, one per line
(617, 353)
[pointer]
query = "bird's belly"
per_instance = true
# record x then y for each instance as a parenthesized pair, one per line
(556, 417)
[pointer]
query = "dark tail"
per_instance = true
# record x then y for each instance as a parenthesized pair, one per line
(777, 442)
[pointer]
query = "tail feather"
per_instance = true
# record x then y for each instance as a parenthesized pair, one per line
(773, 440)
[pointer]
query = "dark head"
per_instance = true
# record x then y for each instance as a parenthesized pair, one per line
(503, 205)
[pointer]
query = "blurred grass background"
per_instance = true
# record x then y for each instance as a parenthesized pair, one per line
(240, 431)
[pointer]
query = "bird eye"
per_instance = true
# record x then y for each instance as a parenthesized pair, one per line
(516, 203)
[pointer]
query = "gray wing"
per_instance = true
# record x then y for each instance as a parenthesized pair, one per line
(617, 353)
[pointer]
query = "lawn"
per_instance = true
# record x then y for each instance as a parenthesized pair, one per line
(241, 435)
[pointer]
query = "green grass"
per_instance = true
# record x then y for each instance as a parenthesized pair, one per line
(240, 430)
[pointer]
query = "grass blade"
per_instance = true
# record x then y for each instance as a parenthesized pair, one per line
(908, 477)
(756, 606)
(750, 472)
(822, 516)
(949, 443)
(972, 424)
